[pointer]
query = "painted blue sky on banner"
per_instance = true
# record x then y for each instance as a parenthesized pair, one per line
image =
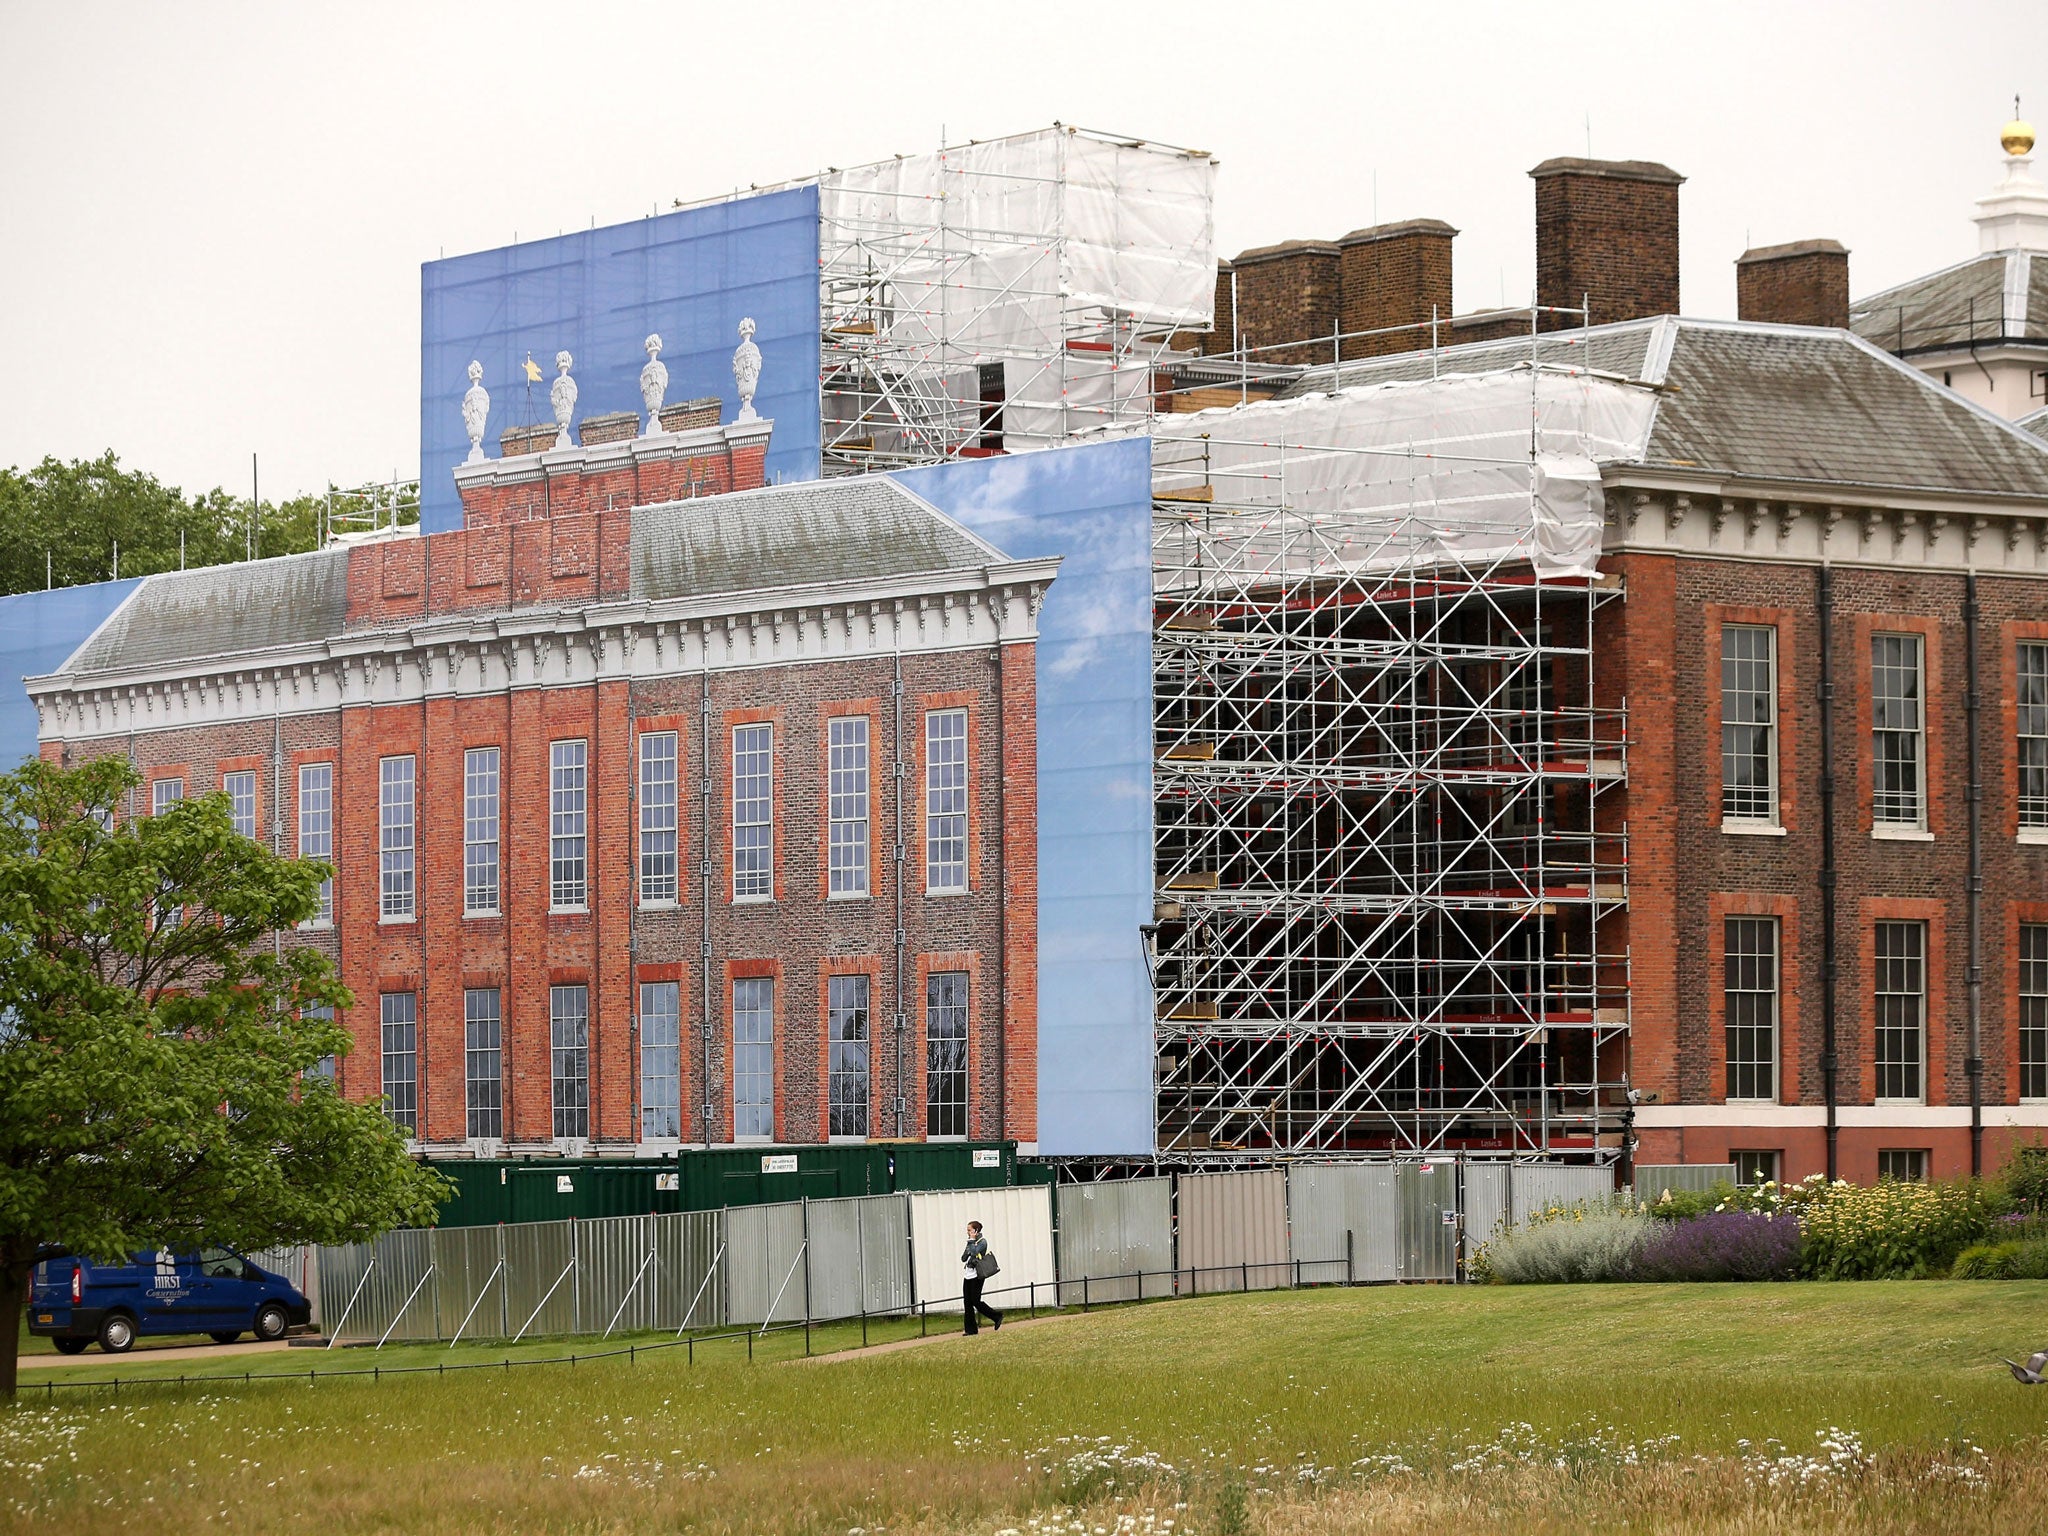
(1092, 506)
(689, 277)
(38, 632)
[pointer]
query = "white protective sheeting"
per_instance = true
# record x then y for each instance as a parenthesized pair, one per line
(1018, 1226)
(1472, 470)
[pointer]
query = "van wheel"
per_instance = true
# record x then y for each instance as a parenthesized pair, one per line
(271, 1321)
(71, 1346)
(226, 1336)
(117, 1333)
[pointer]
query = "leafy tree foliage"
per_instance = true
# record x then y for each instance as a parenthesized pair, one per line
(159, 1077)
(76, 513)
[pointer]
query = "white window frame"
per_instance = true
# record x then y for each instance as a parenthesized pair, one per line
(660, 818)
(753, 1058)
(569, 1062)
(399, 1045)
(569, 825)
(1881, 1060)
(945, 802)
(1748, 815)
(1885, 810)
(163, 794)
(849, 1061)
(240, 788)
(951, 1073)
(2033, 1019)
(753, 812)
(482, 805)
(661, 1060)
(397, 838)
(2030, 727)
(1752, 985)
(483, 1063)
(316, 831)
(846, 796)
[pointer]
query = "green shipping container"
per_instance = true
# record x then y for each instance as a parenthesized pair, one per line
(551, 1189)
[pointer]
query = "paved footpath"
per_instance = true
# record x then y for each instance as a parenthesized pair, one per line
(951, 1334)
(97, 1356)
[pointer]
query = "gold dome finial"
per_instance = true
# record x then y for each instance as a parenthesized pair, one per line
(2017, 136)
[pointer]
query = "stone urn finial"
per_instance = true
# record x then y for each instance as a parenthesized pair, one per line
(476, 410)
(563, 396)
(746, 370)
(653, 385)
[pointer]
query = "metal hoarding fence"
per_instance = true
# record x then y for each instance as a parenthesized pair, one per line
(1233, 1231)
(1428, 1194)
(1652, 1179)
(858, 1259)
(469, 1268)
(1489, 1205)
(1115, 1240)
(764, 1275)
(1018, 1226)
(1538, 1186)
(540, 1278)
(381, 1290)
(689, 1264)
(1344, 1222)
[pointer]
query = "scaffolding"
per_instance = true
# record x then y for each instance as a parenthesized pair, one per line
(1007, 294)
(1391, 859)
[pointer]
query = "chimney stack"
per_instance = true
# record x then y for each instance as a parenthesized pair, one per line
(1803, 283)
(1606, 236)
(1288, 293)
(1394, 275)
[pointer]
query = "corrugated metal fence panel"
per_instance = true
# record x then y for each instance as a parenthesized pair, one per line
(841, 1260)
(1018, 1226)
(1344, 1222)
(1112, 1230)
(540, 1280)
(300, 1264)
(1429, 1242)
(763, 1248)
(1652, 1179)
(885, 1253)
(1537, 1186)
(1233, 1230)
(469, 1286)
(615, 1279)
(341, 1269)
(1489, 1204)
(687, 1292)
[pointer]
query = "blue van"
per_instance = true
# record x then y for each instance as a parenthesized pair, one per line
(218, 1292)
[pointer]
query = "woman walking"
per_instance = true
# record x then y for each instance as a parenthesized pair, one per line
(976, 1265)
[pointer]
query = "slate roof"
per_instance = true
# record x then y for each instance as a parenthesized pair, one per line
(865, 529)
(2036, 423)
(784, 536)
(1957, 305)
(222, 610)
(1769, 402)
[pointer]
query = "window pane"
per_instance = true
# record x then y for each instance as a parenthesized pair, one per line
(1897, 728)
(846, 1033)
(163, 794)
(945, 800)
(753, 849)
(1901, 1009)
(753, 1056)
(480, 829)
(324, 1067)
(2032, 725)
(240, 789)
(395, 836)
(661, 1053)
(567, 808)
(945, 1024)
(1906, 1164)
(2034, 1011)
(658, 816)
(847, 793)
(401, 1058)
(1750, 993)
(569, 1032)
(316, 825)
(1753, 1168)
(483, 1062)
(1749, 719)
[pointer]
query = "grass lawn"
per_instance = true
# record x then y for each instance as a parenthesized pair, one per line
(1491, 1408)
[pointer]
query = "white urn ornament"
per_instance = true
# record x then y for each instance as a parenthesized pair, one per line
(563, 397)
(746, 369)
(653, 385)
(476, 410)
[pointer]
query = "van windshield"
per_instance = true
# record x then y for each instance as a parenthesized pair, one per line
(219, 1264)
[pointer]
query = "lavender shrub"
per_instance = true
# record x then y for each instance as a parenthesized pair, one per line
(1721, 1245)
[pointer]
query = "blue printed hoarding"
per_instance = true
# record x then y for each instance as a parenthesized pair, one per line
(689, 277)
(38, 633)
(1093, 507)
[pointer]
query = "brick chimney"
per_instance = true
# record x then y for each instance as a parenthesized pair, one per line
(1394, 275)
(1803, 283)
(1607, 235)
(1288, 293)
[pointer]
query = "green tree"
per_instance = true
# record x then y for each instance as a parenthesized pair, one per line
(159, 1082)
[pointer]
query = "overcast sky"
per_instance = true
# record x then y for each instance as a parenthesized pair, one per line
(212, 218)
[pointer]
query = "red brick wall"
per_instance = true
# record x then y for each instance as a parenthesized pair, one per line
(1288, 293)
(1806, 284)
(1606, 236)
(1395, 275)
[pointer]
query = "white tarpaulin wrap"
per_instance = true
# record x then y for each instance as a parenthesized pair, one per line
(1471, 470)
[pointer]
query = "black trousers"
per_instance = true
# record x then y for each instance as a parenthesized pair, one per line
(970, 1292)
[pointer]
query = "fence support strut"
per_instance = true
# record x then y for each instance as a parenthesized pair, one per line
(399, 1317)
(496, 1270)
(608, 1327)
(343, 1323)
(692, 1312)
(566, 1269)
(801, 1249)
